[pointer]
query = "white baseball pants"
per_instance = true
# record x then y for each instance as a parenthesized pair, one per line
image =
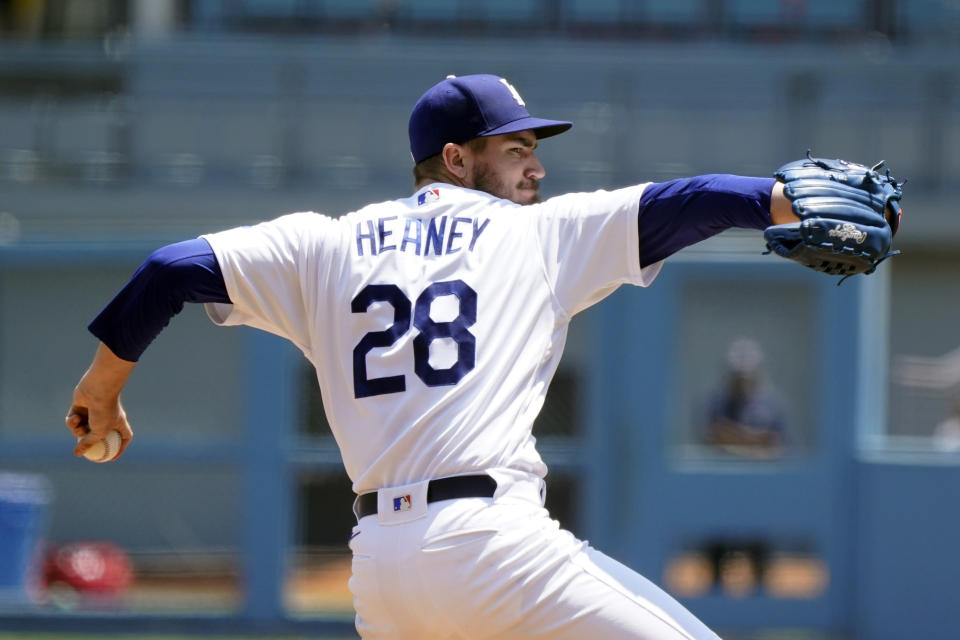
(477, 568)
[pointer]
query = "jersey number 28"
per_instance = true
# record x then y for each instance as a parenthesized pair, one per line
(429, 329)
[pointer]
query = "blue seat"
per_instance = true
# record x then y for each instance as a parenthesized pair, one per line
(593, 10)
(930, 15)
(429, 10)
(342, 9)
(833, 13)
(268, 8)
(293, 9)
(504, 10)
(631, 11)
(678, 12)
(752, 13)
(807, 13)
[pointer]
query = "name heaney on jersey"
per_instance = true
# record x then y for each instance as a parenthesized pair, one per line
(440, 235)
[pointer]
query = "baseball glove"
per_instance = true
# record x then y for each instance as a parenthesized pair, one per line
(843, 228)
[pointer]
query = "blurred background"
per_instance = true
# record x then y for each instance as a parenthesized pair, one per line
(782, 454)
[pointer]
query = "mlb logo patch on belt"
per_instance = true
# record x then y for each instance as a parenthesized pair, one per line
(402, 503)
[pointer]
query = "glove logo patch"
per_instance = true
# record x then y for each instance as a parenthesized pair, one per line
(846, 232)
(842, 208)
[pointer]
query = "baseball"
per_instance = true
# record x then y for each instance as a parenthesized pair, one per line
(105, 450)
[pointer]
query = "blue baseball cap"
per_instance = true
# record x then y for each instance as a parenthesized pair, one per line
(460, 109)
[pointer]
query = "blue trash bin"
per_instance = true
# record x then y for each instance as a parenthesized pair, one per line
(24, 499)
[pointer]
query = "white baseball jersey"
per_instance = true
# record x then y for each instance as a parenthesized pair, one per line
(435, 322)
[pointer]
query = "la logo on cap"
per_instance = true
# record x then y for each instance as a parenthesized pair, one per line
(513, 92)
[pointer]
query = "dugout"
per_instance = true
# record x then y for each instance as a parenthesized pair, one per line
(738, 531)
(862, 533)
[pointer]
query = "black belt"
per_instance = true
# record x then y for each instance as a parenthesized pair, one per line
(481, 486)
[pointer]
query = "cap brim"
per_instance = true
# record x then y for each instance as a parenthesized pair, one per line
(540, 127)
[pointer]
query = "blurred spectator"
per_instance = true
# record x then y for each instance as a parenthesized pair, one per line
(946, 436)
(6, 16)
(745, 416)
(739, 566)
(21, 18)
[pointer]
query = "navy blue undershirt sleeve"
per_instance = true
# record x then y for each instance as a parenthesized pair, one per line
(183, 272)
(682, 212)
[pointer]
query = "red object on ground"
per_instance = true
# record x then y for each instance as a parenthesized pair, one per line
(100, 567)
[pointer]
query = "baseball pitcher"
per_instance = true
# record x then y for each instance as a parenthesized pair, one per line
(435, 323)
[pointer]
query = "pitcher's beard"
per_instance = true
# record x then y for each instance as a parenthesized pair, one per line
(486, 180)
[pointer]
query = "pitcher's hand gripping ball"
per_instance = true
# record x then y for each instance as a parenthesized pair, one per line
(105, 450)
(842, 206)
